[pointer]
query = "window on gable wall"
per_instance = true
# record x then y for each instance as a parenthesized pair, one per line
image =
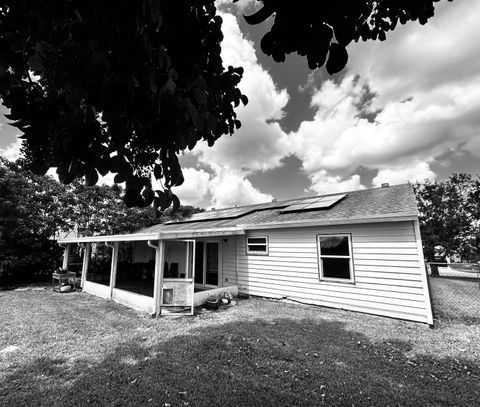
(257, 245)
(335, 257)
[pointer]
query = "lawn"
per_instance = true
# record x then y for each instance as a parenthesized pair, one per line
(76, 349)
(456, 299)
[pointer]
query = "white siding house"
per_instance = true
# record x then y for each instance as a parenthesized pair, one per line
(358, 251)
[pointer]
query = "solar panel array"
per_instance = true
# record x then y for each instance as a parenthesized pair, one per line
(296, 205)
(230, 213)
(308, 204)
(216, 215)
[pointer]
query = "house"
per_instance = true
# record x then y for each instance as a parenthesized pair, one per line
(359, 251)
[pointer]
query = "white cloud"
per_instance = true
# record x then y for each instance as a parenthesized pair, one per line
(415, 171)
(260, 143)
(325, 184)
(417, 58)
(426, 82)
(473, 146)
(239, 7)
(417, 130)
(221, 188)
(12, 151)
(195, 188)
(230, 188)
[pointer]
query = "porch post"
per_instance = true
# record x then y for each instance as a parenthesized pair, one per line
(187, 259)
(113, 268)
(66, 254)
(158, 280)
(86, 258)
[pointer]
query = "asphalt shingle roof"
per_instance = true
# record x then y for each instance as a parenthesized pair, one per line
(374, 203)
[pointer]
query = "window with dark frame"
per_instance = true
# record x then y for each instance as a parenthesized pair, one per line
(335, 257)
(257, 245)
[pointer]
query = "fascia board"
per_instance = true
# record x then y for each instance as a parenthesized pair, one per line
(330, 222)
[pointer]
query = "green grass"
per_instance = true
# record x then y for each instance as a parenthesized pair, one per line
(76, 349)
(455, 299)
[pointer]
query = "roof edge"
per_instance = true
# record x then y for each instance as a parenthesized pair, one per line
(185, 234)
(159, 235)
(331, 222)
(110, 238)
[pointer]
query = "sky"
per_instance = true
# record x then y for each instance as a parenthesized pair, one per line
(402, 110)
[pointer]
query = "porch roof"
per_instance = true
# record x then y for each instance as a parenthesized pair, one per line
(156, 235)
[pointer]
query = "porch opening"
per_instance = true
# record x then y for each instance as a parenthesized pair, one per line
(135, 268)
(75, 259)
(207, 264)
(99, 264)
(178, 278)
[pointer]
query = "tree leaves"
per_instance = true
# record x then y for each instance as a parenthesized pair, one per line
(261, 15)
(304, 27)
(91, 177)
(117, 87)
(176, 203)
(127, 88)
(148, 196)
(337, 58)
(449, 215)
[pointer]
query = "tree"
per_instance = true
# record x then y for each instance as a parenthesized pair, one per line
(34, 209)
(30, 214)
(100, 210)
(102, 85)
(449, 215)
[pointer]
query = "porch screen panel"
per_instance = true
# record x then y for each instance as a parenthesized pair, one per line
(136, 268)
(212, 263)
(199, 263)
(99, 264)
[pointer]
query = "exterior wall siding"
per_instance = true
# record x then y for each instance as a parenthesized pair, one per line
(229, 261)
(387, 269)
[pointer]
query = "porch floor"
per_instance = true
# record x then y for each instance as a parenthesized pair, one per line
(145, 287)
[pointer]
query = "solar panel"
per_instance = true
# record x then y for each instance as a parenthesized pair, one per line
(219, 214)
(294, 205)
(308, 204)
(325, 202)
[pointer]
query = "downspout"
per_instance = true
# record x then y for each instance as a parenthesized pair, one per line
(84, 247)
(158, 279)
(113, 266)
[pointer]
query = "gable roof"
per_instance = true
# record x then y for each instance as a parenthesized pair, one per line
(386, 204)
(383, 204)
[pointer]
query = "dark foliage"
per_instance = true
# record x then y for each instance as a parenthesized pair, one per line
(29, 216)
(34, 209)
(124, 86)
(320, 30)
(450, 216)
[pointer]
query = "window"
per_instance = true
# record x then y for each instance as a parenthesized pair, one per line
(257, 245)
(335, 257)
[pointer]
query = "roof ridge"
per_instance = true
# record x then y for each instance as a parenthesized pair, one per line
(378, 202)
